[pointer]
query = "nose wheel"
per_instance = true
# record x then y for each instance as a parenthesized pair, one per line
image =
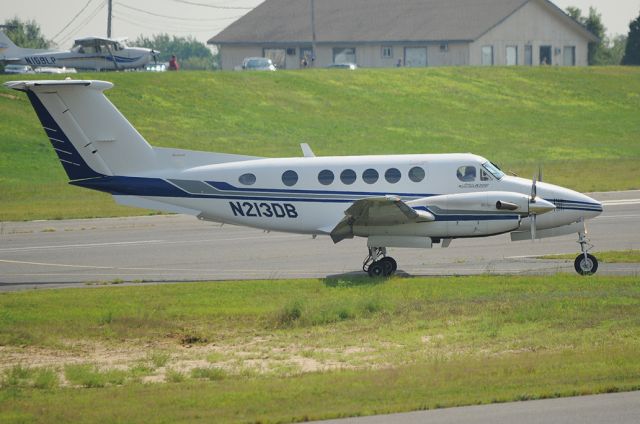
(585, 263)
(378, 264)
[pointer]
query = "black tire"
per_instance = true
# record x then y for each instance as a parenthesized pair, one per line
(376, 269)
(587, 266)
(389, 264)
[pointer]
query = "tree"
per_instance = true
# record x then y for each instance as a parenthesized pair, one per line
(191, 53)
(632, 50)
(25, 34)
(593, 23)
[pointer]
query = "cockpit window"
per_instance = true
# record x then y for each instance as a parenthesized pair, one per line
(467, 173)
(493, 170)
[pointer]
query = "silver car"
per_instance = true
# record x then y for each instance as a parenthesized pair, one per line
(257, 64)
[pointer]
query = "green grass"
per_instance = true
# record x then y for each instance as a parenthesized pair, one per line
(378, 347)
(629, 256)
(579, 123)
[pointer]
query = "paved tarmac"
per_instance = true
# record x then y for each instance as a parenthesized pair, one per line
(614, 408)
(181, 248)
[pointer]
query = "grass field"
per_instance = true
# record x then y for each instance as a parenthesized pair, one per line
(283, 351)
(581, 124)
(629, 256)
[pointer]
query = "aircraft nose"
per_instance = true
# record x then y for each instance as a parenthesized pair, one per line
(589, 207)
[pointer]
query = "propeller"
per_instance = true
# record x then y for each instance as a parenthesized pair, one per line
(537, 206)
(155, 56)
(532, 200)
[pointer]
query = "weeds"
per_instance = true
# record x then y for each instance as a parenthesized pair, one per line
(210, 373)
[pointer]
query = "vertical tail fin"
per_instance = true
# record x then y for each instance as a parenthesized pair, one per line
(90, 136)
(7, 48)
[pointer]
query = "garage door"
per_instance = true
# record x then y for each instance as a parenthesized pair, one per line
(415, 56)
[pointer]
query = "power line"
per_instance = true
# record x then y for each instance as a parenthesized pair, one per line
(162, 28)
(213, 6)
(72, 20)
(169, 17)
(85, 22)
(164, 24)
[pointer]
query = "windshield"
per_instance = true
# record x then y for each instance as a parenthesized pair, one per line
(493, 170)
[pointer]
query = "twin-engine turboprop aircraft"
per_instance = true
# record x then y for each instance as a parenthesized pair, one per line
(87, 53)
(393, 201)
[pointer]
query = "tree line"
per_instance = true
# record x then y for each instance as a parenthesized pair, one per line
(193, 54)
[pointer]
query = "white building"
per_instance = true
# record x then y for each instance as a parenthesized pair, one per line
(388, 33)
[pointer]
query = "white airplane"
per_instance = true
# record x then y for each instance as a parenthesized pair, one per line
(393, 201)
(87, 53)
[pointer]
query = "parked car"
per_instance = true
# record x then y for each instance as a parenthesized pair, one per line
(350, 66)
(18, 69)
(257, 64)
(157, 67)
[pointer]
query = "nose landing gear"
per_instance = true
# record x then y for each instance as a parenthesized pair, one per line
(378, 264)
(585, 263)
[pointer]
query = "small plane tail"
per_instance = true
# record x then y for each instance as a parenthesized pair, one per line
(89, 135)
(7, 47)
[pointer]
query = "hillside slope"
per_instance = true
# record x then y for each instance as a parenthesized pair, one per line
(581, 124)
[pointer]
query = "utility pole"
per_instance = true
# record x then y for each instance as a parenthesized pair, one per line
(313, 31)
(109, 10)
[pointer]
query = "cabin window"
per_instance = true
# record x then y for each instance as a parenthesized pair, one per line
(416, 174)
(289, 178)
(247, 179)
(467, 173)
(348, 176)
(392, 175)
(325, 177)
(370, 176)
(484, 175)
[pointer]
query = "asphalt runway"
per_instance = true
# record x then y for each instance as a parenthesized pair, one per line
(618, 408)
(181, 248)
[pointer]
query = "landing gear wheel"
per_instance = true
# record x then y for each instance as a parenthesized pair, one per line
(376, 269)
(390, 265)
(586, 266)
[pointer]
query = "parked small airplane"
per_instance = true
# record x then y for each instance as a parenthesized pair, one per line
(393, 201)
(87, 53)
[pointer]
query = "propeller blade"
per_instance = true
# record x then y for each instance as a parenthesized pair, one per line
(540, 173)
(533, 227)
(534, 191)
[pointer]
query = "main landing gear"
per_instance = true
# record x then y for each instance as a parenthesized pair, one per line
(585, 263)
(378, 264)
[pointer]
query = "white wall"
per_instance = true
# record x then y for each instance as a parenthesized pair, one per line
(536, 25)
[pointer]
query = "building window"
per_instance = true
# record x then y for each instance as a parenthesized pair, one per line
(387, 52)
(289, 178)
(569, 56)
(348, 176)
(370, 176)
(392, 175)
(528, 55)
(487, 55)
(545, 55)
(444, 48)
(247, 179)
(512, 55)
(344, 55)
(416, 174)
(325, 177)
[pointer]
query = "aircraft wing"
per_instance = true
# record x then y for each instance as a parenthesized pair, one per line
(377, 211)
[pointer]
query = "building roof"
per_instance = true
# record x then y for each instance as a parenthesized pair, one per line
(344, 21)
